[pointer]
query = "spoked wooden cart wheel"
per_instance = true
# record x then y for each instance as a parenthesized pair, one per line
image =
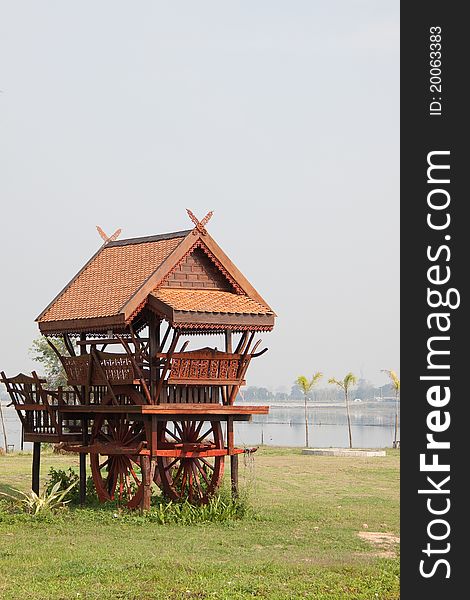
(195, 478)
(116, 473)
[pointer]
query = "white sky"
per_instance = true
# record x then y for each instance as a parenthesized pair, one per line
(282, 117)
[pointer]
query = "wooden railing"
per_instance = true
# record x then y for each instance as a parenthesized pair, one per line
(205, 367)
(38, 408)
(191, 394)
(99, 368)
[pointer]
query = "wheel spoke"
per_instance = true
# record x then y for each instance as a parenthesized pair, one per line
(198, 428)
(208, 432)
(112, 479)
(206, 463)
(121, 484)
(172, 434)
(178, 472)
(134, 437)
(196, 479)
(201, 470)
(103, 464)
(180, 431)
(190, 479)
(183, 481)
(134, 475)
(171, 464)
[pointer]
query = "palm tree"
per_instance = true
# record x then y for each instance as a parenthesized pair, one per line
(395, 381)
(306, 386)
(345, 384)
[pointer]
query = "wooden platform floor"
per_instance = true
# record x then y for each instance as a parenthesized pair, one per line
(168, 409)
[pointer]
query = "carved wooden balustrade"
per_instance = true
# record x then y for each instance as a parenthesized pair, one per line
(100, 368)
(202, 376)
(205, 375)
(38, 408)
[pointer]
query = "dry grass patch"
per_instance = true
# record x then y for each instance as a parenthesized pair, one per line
(386, 543)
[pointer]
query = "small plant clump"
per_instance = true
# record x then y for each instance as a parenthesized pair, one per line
(66, 478)
(34, 504)
(218, 509)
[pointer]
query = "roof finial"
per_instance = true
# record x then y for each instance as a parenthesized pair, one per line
(110, 238)
(200, 225)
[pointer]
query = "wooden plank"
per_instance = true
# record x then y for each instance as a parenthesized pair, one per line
(169, 408)
(176, 452)
(105, 449)
(204, 409)
(198, 417)
(100, 408)
(52, 438)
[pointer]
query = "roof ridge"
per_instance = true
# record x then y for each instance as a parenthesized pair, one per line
(149, 238)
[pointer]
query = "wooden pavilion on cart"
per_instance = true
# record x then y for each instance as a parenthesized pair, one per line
(143, 401)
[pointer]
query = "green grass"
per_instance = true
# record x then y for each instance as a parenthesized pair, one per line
(300, 540)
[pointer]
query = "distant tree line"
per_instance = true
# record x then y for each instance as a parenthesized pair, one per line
(364, 390)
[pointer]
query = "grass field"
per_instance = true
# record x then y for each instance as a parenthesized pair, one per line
(321, 527)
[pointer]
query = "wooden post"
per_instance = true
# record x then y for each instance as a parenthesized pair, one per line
(36, 467)
(82, 471)
(233, 458)
(234, 475)
(4, 430)
(228, 341)
(83, 465)
(227, 389)
(146, 482)
(154, 347)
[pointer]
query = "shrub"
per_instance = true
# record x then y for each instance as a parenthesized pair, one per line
(47, 501)
(66, 479)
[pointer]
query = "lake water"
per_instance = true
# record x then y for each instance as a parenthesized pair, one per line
(372, 426)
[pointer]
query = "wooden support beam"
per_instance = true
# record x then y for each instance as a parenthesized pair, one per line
(83, 462)
(85, 390)
(234, 475)
(154, 435)
(82, 479)
(154, 347)
(230, 438)
(146, 482)
(36, 467)
(228, 341)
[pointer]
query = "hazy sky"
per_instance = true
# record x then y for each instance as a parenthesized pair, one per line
(281, 116)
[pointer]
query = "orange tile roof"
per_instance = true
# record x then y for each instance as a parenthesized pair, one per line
(210, 300)
(111, 277)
